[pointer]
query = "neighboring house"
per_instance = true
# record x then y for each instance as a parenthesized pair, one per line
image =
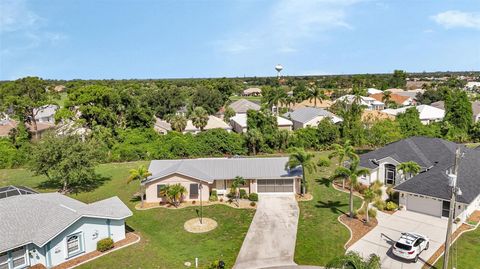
(411, 93)
(252, 92)
(428, 114)
(51, 228)
(45, 114)
(241, 106)
(201, 176)
(472, 85)
(394, 90)
(371, 91)
(161, 126)
(213, 123)
(310, 103)
(429, 191)
(310, 117)
(369, 102)
(239, 123)
(7, 125)
(475, 109)
(371, 116)
(396, 98)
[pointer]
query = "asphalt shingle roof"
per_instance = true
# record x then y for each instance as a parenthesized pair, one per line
(210, 169)
(242, 105)
(436, 156)
(306, 114)
(37, 218)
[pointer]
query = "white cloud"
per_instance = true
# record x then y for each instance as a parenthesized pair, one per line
(15, 16)
(454, 18)
(287, 24)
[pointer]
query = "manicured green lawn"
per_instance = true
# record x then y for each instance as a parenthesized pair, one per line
(257, 99)
(465, 252)
(320, 237)
(165, 244)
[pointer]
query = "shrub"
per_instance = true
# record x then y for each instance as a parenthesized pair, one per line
(213, 196)
(194, 202)
(324, 162)
(221, 199)
(216, 265)
(105, 244)
(379, 204)
(361, 188)
(361, 211)
(372, 212)
(253, 197)
(391, 206)
(243, 194)
(252, 203)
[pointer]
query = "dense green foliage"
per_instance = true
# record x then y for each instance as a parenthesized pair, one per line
(104, 244)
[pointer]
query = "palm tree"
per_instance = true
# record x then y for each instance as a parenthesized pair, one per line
(174, 193)
(343, 153)
(140, 174)
(301, 158)
(352, 260)
(371, 193)
(199, 117)
(409, 168)
(177, 122)
(351, 174)
(254, 139)
(387, 95)
(316, 93)
(234, 189)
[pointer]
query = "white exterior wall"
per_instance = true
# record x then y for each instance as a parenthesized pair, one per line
(472, 207)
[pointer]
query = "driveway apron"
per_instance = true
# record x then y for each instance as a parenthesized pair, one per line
(270, 240)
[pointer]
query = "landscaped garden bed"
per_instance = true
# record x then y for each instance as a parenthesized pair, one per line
(357, 226)
(242, 204)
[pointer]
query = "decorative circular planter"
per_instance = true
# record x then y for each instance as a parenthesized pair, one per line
(194, 225)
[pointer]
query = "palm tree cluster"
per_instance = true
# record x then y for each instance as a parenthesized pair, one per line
(174, 193)
(140, 174)
(409, 169)
(199, 117)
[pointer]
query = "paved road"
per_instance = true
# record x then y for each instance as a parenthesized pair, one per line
(389, 229)
(270, 240)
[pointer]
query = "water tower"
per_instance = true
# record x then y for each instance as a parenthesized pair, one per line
(279, 68)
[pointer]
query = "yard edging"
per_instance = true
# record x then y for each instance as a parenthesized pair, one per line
(108, 252)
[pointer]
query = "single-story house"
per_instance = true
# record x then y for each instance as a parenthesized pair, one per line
(475, 108)
(369, 102)
(427, 192)
(213, 123)
(396, 98)
(428, 114)
(252, 92)
(472, 85)
(371, 116)
(239, 123)
(7, 125)
(51, 228)
(371, 91)
(201, 176)
(310, 103)
(310, 117)
(162, 126)
(241, 106)
(45, 114)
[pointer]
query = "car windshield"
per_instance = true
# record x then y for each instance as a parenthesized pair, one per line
(402, 246)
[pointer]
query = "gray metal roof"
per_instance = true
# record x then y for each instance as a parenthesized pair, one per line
(306, 114)
(436, 156)
(242, 105)
(37, 218)
(210, 169)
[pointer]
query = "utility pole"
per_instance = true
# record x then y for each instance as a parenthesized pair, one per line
(451, 215)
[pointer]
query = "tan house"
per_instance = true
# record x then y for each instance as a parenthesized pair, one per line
(239, 123)
(252, 92)
(311, 103)
(201, 176)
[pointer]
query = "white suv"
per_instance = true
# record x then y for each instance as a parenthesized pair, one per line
(410, 245)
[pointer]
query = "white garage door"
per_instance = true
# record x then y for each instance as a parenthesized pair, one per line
(424, 205)
(275, 185)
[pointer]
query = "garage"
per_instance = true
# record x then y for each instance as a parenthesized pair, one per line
(424, 204)
(274, 185)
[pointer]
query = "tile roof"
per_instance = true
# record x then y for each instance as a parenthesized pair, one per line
(37, 218)
(210, 169)
(398, 99)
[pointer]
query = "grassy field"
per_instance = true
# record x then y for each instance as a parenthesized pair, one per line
(464, 252)
(165, 244)
(320, 237)
(256, 99)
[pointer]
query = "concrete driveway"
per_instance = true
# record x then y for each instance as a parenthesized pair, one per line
(389, 228)
(270, 240)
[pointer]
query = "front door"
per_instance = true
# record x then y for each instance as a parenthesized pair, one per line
(390, 174)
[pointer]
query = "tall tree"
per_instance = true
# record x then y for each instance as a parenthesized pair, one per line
(301, 158)
(316, 93)
(139, 174)
(209, 98)
(351, 173)
(177, 122)
(458, 111)
(229, 112)
(409, 121)
(254, 140)
(24, 96)
(199, 117)
(345, 152)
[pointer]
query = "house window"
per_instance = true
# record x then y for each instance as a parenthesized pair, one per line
(159, 190)
(4, 260)
(446, 209)
(390, 173)
(193, 191)
(19, 258)
(74, 244)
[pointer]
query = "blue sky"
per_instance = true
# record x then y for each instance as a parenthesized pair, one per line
(121, 39)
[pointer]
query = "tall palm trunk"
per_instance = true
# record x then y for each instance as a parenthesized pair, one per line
(367, 203)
